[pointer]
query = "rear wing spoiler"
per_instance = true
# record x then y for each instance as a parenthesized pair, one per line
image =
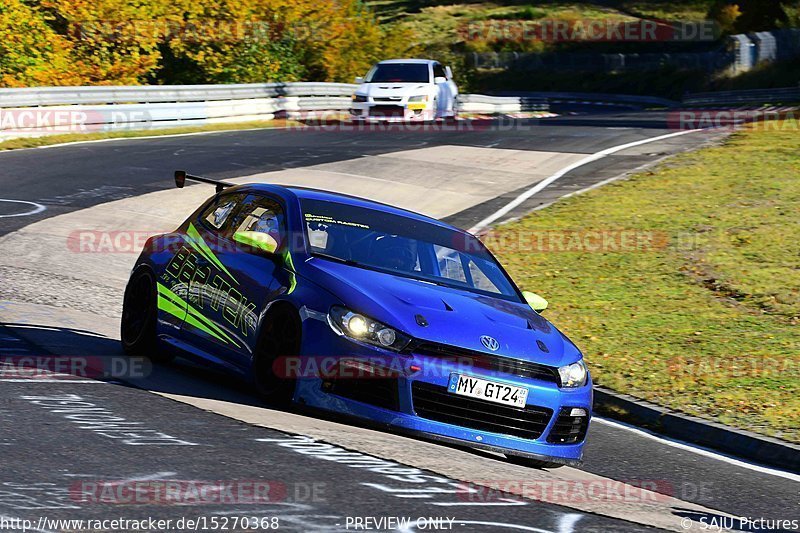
(181, 176)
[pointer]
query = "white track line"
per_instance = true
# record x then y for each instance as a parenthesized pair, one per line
(699, 450)
(37, 208)
(549, 180)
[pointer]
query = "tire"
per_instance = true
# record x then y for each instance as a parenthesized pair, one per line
(280, 337)
(532, 463)
(139, 311)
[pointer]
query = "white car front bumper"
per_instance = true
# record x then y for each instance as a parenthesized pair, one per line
(392, 111)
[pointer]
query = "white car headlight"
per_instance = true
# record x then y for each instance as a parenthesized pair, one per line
(574, 375)
(356, 326)
(418, 98)
(359, 98)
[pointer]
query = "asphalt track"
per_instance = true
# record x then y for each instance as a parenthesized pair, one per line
(55, 301)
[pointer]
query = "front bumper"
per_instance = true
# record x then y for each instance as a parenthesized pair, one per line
(418, 401)
(392, 111)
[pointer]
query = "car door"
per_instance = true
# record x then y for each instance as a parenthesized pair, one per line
(188, 266)
(239, 280)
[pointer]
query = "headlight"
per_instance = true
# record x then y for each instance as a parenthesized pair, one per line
(345, 322)
(359, 98)
(574, 375)
(419, 98)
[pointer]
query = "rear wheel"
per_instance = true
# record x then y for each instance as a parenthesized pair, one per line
(531, 463)
(280, 338)
(138, 324)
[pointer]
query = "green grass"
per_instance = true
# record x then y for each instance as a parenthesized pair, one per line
(684, 11)
(47, 140)
(707, 323)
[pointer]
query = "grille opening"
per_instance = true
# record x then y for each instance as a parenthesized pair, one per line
(374, 391)
(569, 429)
(387, 111)
(435, 403)
(494, 363)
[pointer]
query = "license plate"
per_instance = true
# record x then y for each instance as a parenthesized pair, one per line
(416, 106)
(487, 390)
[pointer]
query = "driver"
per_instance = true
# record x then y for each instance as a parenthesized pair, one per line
(267, 223)
(393, 252)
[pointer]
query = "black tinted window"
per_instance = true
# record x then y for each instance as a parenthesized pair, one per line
(397, 244)
(399, 72)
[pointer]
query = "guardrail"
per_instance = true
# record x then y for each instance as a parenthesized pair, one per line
(50, 110)
(572, 97)
(788, 95)
(148, 94)
(479, 103)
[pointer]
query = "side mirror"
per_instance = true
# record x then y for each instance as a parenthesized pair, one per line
(536, 302)
(359, 80)
(258, 240)
(449, 72)
(439, 79)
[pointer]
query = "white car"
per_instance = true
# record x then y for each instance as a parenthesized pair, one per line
(405, 90)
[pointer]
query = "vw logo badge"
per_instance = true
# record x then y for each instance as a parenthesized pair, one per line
(490, 343)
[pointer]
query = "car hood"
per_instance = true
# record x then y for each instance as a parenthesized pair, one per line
(393, 89)
(454, 317)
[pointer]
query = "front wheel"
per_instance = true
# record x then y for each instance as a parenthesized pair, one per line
(532, 463)
(279, 340)
(138, 324)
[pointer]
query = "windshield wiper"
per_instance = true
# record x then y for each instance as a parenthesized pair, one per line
(337, 259)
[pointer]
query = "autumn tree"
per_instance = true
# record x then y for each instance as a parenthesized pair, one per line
(31, 52)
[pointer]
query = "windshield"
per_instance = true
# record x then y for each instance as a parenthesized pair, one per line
(403, 246)
(398, 72)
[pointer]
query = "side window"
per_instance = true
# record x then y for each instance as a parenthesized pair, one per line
(438, 71)
(219, 211)
(450, 265)
(260, 214)
(480, 280)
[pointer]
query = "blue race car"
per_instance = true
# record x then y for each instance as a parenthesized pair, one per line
(366, 310)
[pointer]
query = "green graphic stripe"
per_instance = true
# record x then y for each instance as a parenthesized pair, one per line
(196, 323)
(169, 307)
(292, 277)
(166, 305)
(195, 314)
(172, 301)
(165, 292)
(202, 248)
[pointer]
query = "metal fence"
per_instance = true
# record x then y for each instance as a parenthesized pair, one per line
(788, 95)
(737, 53)
(586, 62)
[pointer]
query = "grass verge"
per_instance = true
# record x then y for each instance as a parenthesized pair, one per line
(702, 313)
(47, 140)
